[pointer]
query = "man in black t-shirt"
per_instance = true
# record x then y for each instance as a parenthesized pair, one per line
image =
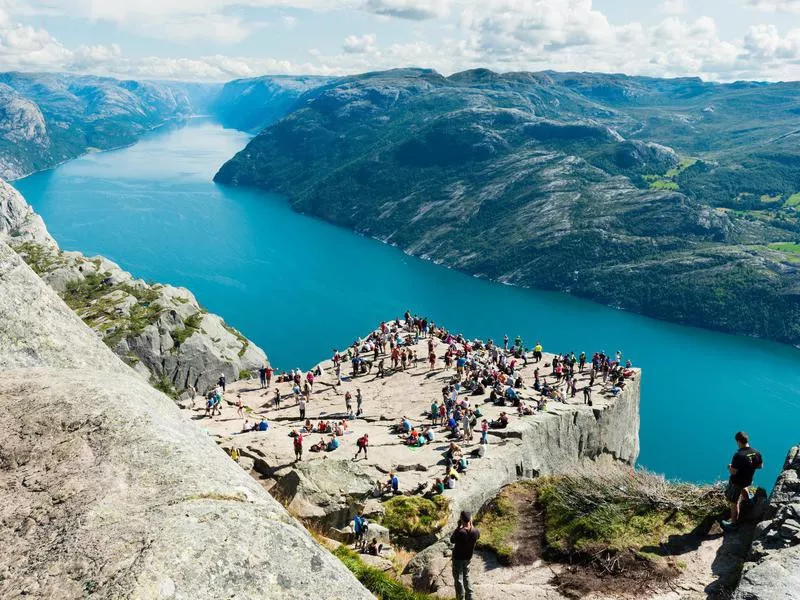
(742, 468)
(463, 539)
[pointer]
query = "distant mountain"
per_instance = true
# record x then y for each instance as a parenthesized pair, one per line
(675, 198)
(252, 104)
(48, 118)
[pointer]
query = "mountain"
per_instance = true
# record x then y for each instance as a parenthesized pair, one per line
(675, 198)
(252, 104)
(47, 118)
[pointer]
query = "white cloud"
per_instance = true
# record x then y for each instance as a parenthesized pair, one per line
(360, 44)
(674, 7)
(786, 6)
(416, 10)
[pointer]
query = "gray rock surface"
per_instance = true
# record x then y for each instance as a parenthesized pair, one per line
(773, 571)
(159, 330)
(105, 489)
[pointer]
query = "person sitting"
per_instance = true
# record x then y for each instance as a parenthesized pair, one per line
(511, 395)
(429, 435)
(338, 429)
(262, 425)
(374, 548)
(451, 480)
(452, 425)
(462, 464)
(412, 438)
(405, 425)
(452, 454)
(392, 485)
(319, 446)
(309, 427)
(437, 487)
(333, 444)
(501, 422)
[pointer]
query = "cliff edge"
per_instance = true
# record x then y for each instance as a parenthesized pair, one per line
(159, 330)
(106, 489)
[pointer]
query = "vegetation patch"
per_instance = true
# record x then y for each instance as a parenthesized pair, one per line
(242, 340)
(191, 326)
(608, 515)
(165, 386)
(512, 524)
(789, 247)
(416, 516)
(383, 585)
(39, 258)
(793, 200)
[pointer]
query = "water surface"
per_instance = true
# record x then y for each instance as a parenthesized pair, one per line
(298, 287)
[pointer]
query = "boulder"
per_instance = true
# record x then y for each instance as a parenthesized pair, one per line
(106, 490)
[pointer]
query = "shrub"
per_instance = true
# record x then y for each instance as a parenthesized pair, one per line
(416, 516)
(617, 509)
(244, 374)
(383, 585)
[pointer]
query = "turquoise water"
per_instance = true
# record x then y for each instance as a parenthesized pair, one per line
(298, 287)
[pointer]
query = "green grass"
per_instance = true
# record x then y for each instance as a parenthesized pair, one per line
(415, 516)
(498, 521)
(165, 385)
(790, 247)
(621, 510)
(39, 258)
(381, 584)
(244, 374)
(663, 184)
(242, 340)
(793, 200)
(191, 326)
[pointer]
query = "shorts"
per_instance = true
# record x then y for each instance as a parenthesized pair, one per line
(733, 492)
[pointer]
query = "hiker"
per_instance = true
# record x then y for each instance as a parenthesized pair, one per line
(348, 401)
(302, 405)
(587, 395)
(221, 381)
(262, 376)
(742, 468)
(362, 443)
(359, 402)
(359, 529)
(239, 406)
(298, 446)
(277, 399)
(484, 432)
(463, 539)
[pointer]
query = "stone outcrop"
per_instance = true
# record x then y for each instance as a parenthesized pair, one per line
(159, 330)
(106, 491)
(773, 570)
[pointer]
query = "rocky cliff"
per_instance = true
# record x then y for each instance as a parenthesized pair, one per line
(106, 491)
(159, 330)
(773, 568)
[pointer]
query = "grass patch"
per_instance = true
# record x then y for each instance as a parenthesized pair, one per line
(415, 516)
(793, 200)
(616, 511)
(500, 519)
(191, 326)
(39, 258)
(383, 585)
(664, 184)
(788, 247)
(244, 374)
(242, 340)
(165, 386)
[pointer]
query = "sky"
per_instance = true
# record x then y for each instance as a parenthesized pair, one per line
(219, 40)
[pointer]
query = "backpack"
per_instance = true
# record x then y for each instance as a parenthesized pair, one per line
(756, 460)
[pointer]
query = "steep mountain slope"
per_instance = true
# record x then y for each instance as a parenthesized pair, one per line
(252, 104)
(593, 184)
(48, 118)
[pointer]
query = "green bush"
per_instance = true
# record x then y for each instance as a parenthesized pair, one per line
(244, 374)
(499, 521)
(621, 509)
(416, 516)
(383, 585)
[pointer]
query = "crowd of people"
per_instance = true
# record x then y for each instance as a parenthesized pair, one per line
(476, 374)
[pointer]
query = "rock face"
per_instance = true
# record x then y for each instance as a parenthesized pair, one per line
(106, 491)
(773, 571)
(159, 330)
(48, 118)
(584, 172)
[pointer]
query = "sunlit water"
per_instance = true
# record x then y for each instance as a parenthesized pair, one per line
(298, 287)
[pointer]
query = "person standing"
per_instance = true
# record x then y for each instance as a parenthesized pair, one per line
(742, 469)
(221, 381)
(262, 376)
(298, 446)
(363, 444)
(301, 403)
(359, 402)
(463, 539)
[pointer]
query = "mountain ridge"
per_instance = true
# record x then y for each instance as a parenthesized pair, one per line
(530, 179)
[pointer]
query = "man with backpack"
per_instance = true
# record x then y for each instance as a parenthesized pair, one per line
(362, 444)
(298, 446)
(742, 468)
